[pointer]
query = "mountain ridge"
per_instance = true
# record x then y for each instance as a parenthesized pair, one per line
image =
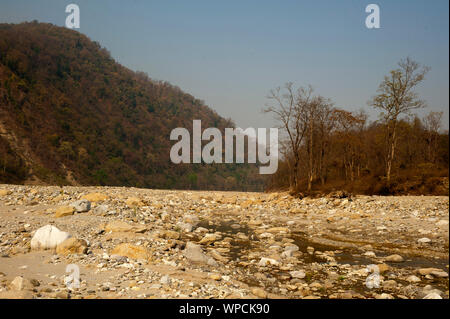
(74, 111)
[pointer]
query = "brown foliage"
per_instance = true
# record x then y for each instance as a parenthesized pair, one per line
(107, 124)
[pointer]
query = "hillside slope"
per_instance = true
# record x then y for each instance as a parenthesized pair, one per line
(69, 114)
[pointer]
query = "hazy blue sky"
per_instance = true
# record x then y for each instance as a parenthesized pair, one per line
(231, 53)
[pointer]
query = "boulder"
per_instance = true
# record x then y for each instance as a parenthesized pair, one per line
(394, 258)
(268, 261)
(64, 211)
(81, 206)
(432, 295)
(258, 292)
(118, 226)
(186, 227)
(72, 246)
(131, 251)
(48, 237)
(95, 197)
(19, 283)
(382, 268)
(426, 271)
(195, 253)
(209, 239)
(5, 192)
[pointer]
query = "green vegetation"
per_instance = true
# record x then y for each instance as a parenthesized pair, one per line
(79, 109)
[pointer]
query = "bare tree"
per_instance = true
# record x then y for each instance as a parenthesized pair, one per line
(285, 105)
(314, 109)
(301, 115)
(326, 124)
(433, 122)
(348, 133)
(396, 96)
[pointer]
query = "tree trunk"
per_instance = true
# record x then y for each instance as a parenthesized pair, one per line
(391, 153)
(310, 173)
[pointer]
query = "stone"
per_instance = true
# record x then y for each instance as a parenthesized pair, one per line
(131, 251)
(169, 234)
(215, 277)
(278, 230)
(217, 256)
(95, 197)
(382, 268)
(191, 219)
(413, 279)
(394, 258)
(81, 206)
(186, 227)
(268, 261)
(201, 230)
(209, 239)
(134, 202)
(299, 274)
(165, 280)
(439, 273)
(62, 295)
(72, 246)
(389, 284)
(121, 226)
(292, 248)
(424, 240)
(427, 271)
(432, 295)
(35, 282)
(428, 289)
(369, 254)
(101, 209)
(48, 237)
(19, 283)
(258, 292)
(5, 192)
(64, 211)
(194, 253)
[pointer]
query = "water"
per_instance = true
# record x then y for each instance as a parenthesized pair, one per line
(240, 249)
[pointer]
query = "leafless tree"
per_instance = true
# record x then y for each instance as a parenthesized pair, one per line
(433, 122)
(287, 107)
(396, 96)
(301, 114)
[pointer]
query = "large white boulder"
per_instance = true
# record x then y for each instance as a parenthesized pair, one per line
(48, 237)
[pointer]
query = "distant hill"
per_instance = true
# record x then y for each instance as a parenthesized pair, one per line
(69, 114)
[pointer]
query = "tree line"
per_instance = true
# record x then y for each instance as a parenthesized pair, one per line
(327, 148)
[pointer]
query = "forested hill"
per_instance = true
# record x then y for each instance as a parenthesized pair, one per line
(69, 114)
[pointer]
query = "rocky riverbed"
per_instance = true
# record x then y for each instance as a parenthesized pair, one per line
(139, 243)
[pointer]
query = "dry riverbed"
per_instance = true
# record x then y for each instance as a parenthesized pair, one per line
(139, 243)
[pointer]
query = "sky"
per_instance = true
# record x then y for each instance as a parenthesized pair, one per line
(230, 54)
